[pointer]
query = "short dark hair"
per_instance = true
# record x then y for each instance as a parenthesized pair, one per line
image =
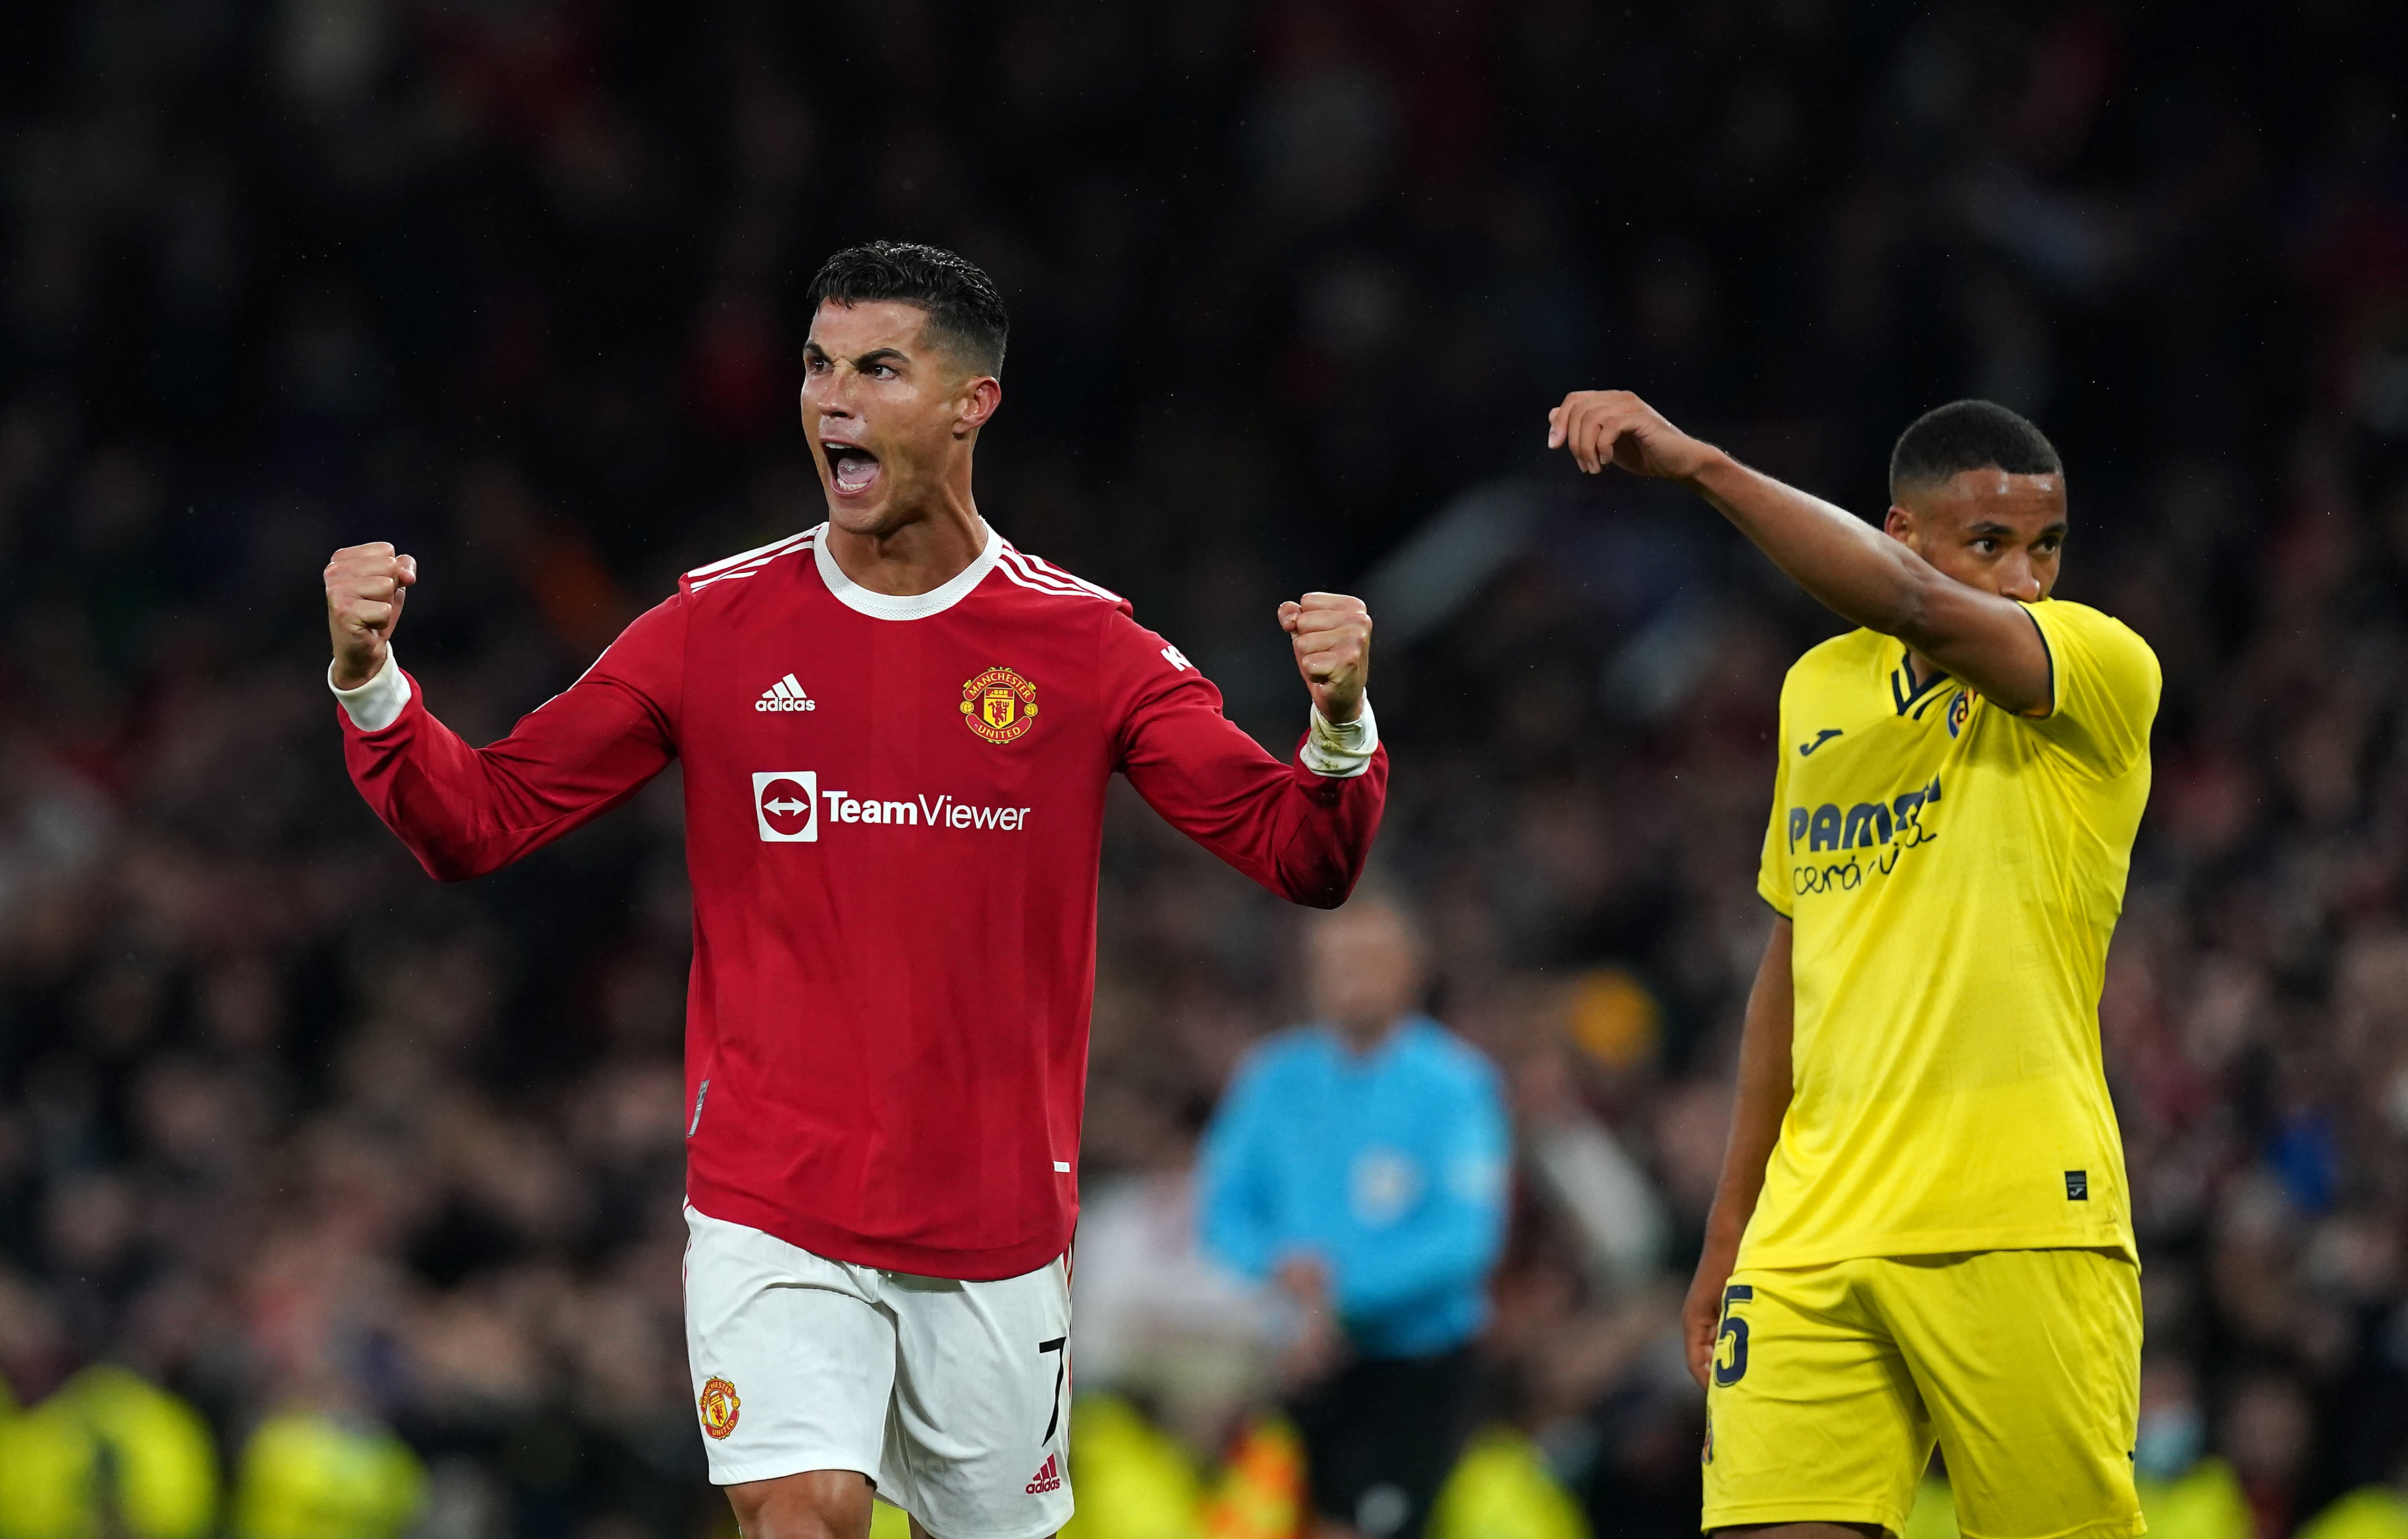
(1969, 435)
(965, 313)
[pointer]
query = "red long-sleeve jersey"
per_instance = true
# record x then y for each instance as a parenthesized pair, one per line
(894, 814)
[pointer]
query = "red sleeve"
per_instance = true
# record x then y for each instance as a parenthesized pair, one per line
(466, 811)
(1303, 835)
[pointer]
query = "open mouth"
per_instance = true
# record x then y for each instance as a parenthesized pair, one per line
(854, 468)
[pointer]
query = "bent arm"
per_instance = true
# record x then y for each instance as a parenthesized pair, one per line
(465, 811)
(1878, 583)
(1303, 834)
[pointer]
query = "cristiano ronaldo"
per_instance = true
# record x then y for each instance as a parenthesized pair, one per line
(896, 731)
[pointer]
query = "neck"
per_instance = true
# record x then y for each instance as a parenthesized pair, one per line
(1925, 669)
(926, 550)
(1365, 1036)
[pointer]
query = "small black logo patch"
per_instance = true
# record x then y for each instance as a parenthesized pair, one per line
(2077, 1186)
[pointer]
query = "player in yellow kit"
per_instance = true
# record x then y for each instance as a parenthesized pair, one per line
(1922, 1231)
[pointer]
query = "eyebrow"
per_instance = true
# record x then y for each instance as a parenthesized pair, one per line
(1990, 528)
(875, 355)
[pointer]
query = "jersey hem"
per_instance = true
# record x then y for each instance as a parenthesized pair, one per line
(1038, 1528)
(836, 1243)
(1726, 1514)
(1944, 1242)
(2105, 1528)
(777, 1469)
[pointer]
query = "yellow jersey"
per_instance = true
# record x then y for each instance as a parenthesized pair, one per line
(1953, 872)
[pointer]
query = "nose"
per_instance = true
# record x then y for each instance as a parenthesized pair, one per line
(829, 393)
(2017, 579)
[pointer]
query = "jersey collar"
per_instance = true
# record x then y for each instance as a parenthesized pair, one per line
(1911, 698)
(936, 600)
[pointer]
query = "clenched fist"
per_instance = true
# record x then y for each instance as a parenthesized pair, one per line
(1614, 426)
(1332, 633)
(366, 585)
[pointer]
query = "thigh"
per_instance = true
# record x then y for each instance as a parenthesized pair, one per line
(2030, 1361)
(792, 1362)
(979, 1438)
(1811, 1415)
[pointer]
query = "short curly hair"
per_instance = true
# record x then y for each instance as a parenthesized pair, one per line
(1969, 435)
(966, 313)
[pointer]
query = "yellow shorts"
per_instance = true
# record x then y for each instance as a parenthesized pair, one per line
(1831, 1383)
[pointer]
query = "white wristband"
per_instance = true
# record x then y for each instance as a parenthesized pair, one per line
(1340, 750)
(375, 704)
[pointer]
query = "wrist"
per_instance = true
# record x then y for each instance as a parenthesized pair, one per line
(1341, 751)
(376, 701)
(1713, 464)
(355, 666)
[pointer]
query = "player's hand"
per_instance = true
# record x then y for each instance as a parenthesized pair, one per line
(366, 585)
(1614, 426)
(1332, 634)
(1701, 1316)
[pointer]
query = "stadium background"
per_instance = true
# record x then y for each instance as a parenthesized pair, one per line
(326, 1150)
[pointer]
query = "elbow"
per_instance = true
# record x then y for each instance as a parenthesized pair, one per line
(1323, 880)
(1325, 892)
(456, 865)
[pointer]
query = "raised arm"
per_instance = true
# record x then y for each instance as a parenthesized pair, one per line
(1303, 828)
(1873, 577)
(465, 811)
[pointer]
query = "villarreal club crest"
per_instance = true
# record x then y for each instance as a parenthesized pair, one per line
(999, 704)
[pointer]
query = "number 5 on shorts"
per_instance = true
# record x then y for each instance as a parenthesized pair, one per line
(1734, 1331)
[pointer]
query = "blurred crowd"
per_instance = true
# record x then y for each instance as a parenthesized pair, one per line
(340, 1202)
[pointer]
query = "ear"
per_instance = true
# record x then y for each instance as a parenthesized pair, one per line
(980, 398)
(1899, 523)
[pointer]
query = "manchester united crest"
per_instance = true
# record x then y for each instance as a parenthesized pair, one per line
(999, 704)
(719, 1407)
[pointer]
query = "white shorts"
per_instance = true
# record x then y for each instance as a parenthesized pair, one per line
(952, 1396)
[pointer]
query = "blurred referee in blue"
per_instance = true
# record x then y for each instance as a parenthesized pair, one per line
(1360, 1163)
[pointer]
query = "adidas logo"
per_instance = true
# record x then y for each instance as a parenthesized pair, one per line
(1048, 1476)
(785, 695)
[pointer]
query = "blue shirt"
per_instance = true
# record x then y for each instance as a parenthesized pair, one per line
(1390, 1167)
